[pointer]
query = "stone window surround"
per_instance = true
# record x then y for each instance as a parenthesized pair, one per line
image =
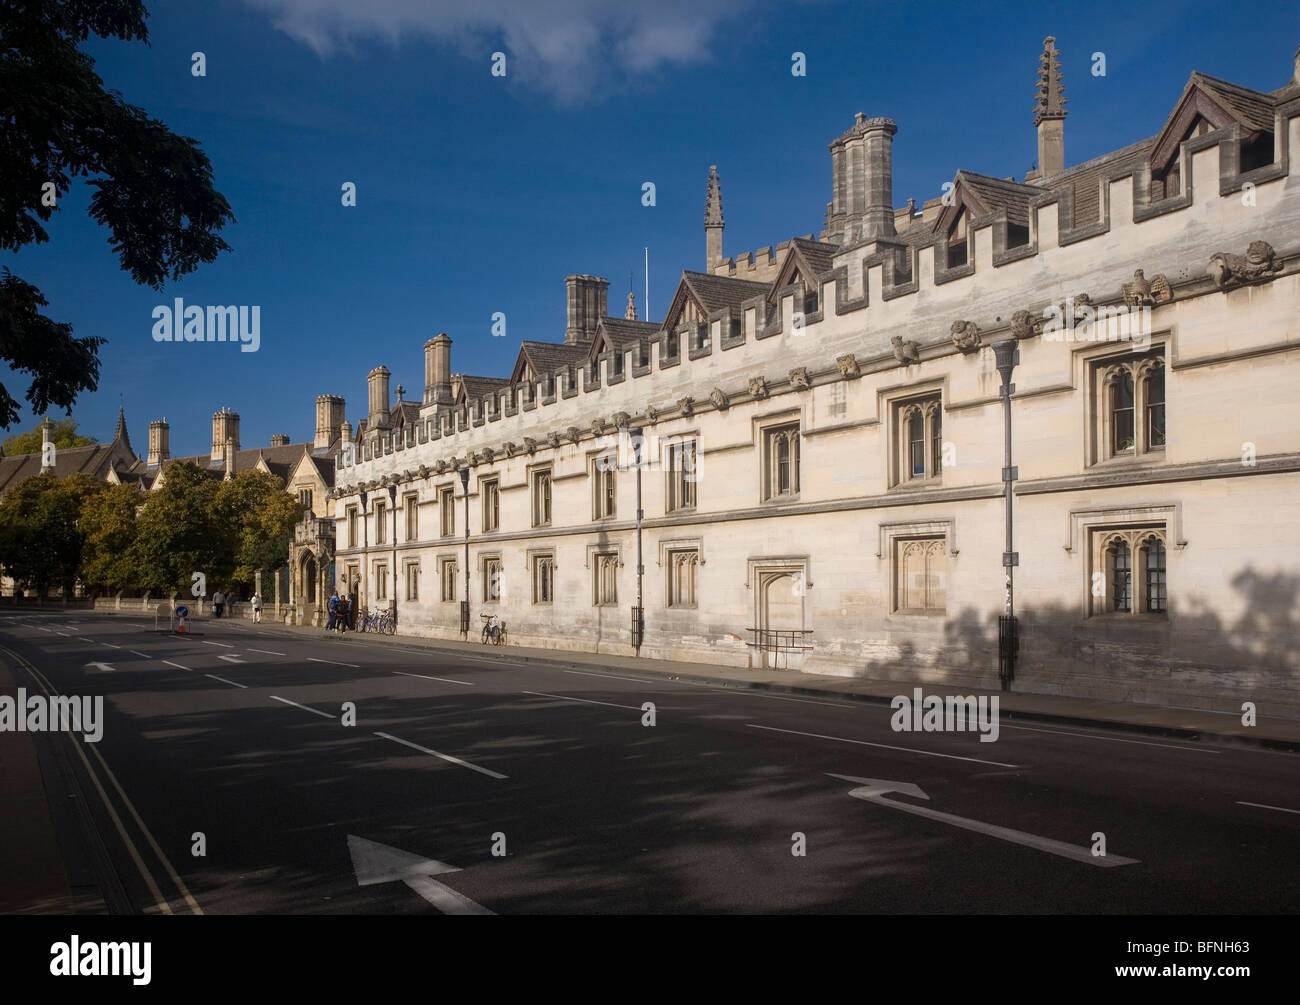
(668, 554)
(1101, 539)
(408, 566)
(594, 553)
(892, 402)
(597, 475)
(1083, 524)
(897, 570)
(486, 495)
(891, 533)
(531, 559)
(446, 493)
(1093, 360)
(484, 558)
(666, 448)
(445, 561)
(533, 470)
(762, 425)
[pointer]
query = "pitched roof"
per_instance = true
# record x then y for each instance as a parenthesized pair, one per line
(716, 293)
(547, 357)
(94, 459)
(279, 460)
(982, 194)
(473, 388)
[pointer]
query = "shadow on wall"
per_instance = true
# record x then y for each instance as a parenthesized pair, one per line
(1124, 657)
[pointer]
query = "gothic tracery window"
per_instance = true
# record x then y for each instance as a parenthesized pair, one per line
(1130, 406)
(1130, 572)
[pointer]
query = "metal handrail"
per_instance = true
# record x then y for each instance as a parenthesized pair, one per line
(775, 639)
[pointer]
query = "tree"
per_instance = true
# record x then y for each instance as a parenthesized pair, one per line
(263, 513)
(108, 519)
(63, 434)
(41, 540)
(180, 532)
(153, 188)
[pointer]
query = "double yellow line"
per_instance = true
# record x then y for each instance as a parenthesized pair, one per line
(162, 903)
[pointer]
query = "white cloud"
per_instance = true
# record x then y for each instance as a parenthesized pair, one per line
(566, 46)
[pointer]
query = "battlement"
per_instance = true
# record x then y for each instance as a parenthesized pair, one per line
(883, 294)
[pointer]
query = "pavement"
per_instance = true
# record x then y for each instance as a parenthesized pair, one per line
(1272, 732)
(269, 770)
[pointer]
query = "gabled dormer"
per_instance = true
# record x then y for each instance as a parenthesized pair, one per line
(803, 266)
(1207, 104)
(698, 296)
(976, 199)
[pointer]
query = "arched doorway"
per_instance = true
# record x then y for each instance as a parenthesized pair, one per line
(309, 579)
(780, 601)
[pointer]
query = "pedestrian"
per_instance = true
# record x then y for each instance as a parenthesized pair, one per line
(218, 603)
(352, 609)
(342, 610)
(257, 607)
(333, 609)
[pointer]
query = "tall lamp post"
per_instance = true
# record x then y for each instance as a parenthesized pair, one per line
(392, 505)
(464, 604)
(638, 612)
(1008, 355)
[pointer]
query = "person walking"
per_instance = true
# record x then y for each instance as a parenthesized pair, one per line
(342, 611)
(257, 607)
(218, 603)
(334, 611)
(352, 609)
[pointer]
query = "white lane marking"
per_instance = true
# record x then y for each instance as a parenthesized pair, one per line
(884, 746)
(224, 681)
(445, 757)
(610, 676)
(105, 667)
(230, 659)
(445, 680)
(486, 659)
(1114, 739)
(176, 665)
(373, 862)
(268, 652)
(84, 639)
(138, 653)
(222, 644)
(313, 711)
(1265, 806)
(585, 701)
(312, 659)
(780, 697)
(43, 629)
(110, 645)
(874, 790)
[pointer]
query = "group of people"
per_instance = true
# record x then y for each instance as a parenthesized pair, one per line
(219, 606)
(343, 613)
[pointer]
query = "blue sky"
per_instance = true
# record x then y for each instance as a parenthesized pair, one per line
(479, 194)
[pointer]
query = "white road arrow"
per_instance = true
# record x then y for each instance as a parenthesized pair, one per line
(379, 863)
(874, 790)
(106, 667)
(230, 659)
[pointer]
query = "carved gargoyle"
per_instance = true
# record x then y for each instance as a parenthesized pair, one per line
(530, 444)
(440, 466)
(719, 398)
(1143, 292)
(575, 434)
(686, 406)
(966, 336)
(489, 454)
(597, 427)
(424, 471)
(1259, 262)
(905, 350)
(758, 387)
(621, 419)
(510, 448)
(651, 414)
(848, 364)
(799, 378)
(553, 438)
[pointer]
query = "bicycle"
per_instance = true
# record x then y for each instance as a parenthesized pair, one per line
(496, 634)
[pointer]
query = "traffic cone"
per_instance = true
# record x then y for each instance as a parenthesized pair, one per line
(180, 627)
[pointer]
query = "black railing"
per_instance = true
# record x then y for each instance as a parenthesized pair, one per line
(781, 640)
(464, 617)
(638, 626)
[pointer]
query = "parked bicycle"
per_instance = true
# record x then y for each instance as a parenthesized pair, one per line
(380, 621)
(494, 630)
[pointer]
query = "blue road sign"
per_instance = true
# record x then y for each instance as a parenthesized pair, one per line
(182, 612)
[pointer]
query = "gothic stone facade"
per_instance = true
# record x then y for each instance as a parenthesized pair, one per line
(825, 440)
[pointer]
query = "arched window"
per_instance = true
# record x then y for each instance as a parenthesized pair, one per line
(919, 439)
(1121, 412)
(916, 444)
(1154, 387)
(1120, 559)
(1156, 585)
(936, 440)
(781, 475)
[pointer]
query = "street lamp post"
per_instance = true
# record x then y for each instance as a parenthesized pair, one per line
(638, 614)
(464, 604)
(392, 504)
(1008, 355)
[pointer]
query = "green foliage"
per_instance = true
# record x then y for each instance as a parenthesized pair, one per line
(41, 541)
(108, 520)
(263, 513)
(63, 434)
(180, 532)
(152, 188)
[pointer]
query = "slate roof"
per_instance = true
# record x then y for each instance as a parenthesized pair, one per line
(547, 357)
(95, 459)
(280, 460)
(986, 194)
(716, 293)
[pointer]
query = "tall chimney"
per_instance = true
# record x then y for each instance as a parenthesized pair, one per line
(437, 370)
(225, 425)
(228, 452)
(862, 183)
(47, 447)
(377, 380)
(159, 443)
(587, 300)
(1049, 112)
(713, 220)
(345, 432)
(329, 416)
(279, 439)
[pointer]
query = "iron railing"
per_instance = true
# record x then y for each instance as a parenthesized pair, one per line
(1008, 649)
(780, 640)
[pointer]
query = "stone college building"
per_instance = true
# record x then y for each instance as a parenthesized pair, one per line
(822, 450)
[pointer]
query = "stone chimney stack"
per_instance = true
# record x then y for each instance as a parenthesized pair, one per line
(713, 221)
(279, 439)
(159, 443)
(47, 447)
(377, 380)
(225, 426)
(329, 416)
(228, 452)
(437, 370)
(1049, 113)
(587, 299)
(345, 432)
(862, 183)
